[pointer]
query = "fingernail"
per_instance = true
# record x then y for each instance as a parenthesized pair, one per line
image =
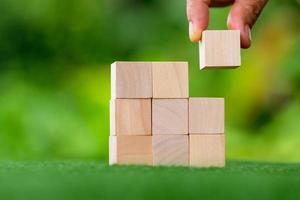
(249, 32)
(195, 35)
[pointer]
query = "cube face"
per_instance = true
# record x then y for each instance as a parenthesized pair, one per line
(207, 150)
(206, 116)
(169, 116)
(112, 150)
(130, 117)
(131, 80)
(130, 150)
(220, 49)
(170, 150)
(170, 79)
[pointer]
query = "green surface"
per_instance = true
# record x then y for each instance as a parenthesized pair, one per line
(95, 180)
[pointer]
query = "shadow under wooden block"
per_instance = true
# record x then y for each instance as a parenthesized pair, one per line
(170, 79)
(220, 49)
(131, 80)
(130, 150)
(207, 150)
(169, 116)
(170, 150)
(130, 117)
(206, 116)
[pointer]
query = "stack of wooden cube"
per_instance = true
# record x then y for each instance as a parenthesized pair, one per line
(153, 120)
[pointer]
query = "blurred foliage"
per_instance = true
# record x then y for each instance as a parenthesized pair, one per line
(55, 79)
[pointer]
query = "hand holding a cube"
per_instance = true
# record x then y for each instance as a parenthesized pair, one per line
(242, 17)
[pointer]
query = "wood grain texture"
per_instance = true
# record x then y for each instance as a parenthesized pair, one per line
(130, 150)
(207, 150)
(130, 117)
(131, 80)
(169, 116)
(170, 150)
(206, 116)
(170, 79)
(220, 49)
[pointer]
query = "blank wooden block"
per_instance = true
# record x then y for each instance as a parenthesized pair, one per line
(207, 150)
(169, 116)
(130, 117)
(206, 115)
(220, 49)
(130, 150)
(170, 79)
(131, 80)
(170, 150)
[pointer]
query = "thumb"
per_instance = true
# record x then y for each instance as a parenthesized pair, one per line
(242, 16)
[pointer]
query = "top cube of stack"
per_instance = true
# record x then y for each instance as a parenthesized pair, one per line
(220, 49)
(149, 80)
(131, 80)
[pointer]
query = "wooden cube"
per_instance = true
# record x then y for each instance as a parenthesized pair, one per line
(220, 49)
(170, 149)
(130, 150)
(206, 115)
(207, 150)
(130, 117)
(170, 79)
(169, 116)
(131, 80)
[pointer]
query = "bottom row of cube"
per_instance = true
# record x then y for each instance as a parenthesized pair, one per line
(180, 150)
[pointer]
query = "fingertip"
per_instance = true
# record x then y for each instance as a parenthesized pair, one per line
(194, 32)
(246, 37)
(245, 44)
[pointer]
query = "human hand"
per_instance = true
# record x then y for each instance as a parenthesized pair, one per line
(242, 16)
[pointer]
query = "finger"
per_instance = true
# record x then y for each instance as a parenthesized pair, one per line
(197, 13)
(242, 16)
(198, 16)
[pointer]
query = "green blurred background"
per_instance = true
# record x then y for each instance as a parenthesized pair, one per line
(55, 61)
